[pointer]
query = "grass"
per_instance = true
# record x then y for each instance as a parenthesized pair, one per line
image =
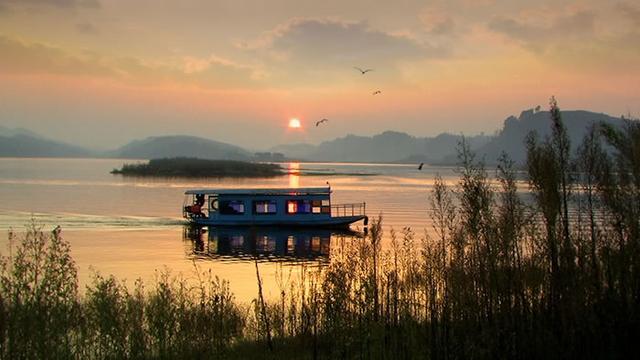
(193, 167)
(495, 278)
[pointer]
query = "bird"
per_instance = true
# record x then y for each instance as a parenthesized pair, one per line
(420, 166)
(377, 92)
(321, 121)
(362, 71)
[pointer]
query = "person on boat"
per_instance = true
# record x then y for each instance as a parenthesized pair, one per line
(196, 208)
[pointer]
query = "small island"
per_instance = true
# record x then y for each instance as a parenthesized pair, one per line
(195, 167)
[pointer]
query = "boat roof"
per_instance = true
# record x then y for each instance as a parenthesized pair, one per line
(273, 191)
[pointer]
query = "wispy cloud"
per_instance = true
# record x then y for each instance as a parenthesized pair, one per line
(27, 57)
(538, 36)
(87, 28)
(631, 12)
(53, 3)
(438, 22)
(337, 41)
(22, 57)
(594, 38)
(321, 51)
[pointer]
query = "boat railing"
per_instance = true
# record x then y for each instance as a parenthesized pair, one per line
(355, 209)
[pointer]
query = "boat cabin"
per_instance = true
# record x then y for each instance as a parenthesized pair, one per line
(283, 206)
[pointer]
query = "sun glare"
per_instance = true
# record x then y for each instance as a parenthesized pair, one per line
(294, 123)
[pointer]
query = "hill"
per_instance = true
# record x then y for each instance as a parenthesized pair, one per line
(23, 144)
(180, 146)
(5, 131)
(389, 146)
(512, 136)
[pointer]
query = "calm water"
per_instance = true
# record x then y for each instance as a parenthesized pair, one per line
(132, 227)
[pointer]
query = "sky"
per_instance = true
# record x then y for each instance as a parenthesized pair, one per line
(100, 73)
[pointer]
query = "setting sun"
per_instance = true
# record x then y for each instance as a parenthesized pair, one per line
(294, 123)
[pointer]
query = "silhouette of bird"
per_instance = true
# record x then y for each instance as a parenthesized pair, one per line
(376, 92)
(321, 121)
(420, 166)
(362, 71)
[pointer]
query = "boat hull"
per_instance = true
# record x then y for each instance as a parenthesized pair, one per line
(333, 222)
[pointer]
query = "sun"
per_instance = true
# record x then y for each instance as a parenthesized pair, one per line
(294, 123)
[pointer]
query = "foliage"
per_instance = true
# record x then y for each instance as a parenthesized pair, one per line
(194, 167)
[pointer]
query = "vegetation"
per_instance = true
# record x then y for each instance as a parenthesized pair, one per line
(194, 167)
(499, 276)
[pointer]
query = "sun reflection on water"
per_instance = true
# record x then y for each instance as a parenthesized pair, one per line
(294, 177)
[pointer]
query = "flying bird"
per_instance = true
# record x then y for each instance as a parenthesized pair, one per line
(362, 71)
(420, 166)
(321, 121)
(377, 92)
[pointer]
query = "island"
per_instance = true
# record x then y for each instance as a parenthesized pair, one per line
(195, 167)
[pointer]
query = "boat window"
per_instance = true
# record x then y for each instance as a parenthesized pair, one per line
(232, 207)
(264, 207)
(298, 207)
(325, 206)
(316, 206)
(213, 201)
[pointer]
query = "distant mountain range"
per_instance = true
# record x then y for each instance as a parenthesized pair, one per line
(389, 146)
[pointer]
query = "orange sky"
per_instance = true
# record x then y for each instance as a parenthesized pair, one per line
(100, 73)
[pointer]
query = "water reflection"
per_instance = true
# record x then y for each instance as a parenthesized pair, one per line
(266, 243)
(294, 174)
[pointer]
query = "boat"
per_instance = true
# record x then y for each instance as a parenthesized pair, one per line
(270, 207)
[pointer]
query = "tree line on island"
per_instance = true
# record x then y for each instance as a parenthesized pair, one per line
(551, 273)
(194, 167)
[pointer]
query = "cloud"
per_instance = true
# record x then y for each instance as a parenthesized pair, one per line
(21, 57)
(53, 3)
(328, 41)
(87, 29)
(538, 36)
(631, 12)
(594, 39)
(437, 22)
(24, 57)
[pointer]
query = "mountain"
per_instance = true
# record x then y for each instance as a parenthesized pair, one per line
(512, 136)
(294, 151)
(180, 146)
(23, 144)
(389, 146)
(8, 132)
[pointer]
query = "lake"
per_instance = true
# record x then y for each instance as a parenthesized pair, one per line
(132, 227)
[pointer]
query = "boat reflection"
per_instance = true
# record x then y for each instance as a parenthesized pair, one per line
(264, 243)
